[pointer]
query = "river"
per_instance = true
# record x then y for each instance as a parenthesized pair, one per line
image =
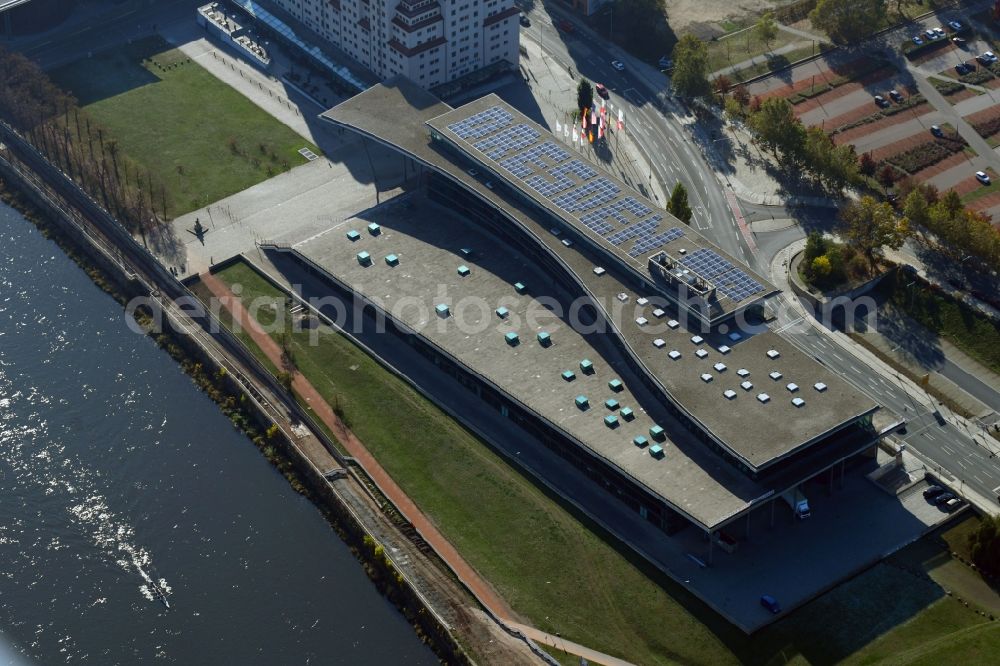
(114, 466)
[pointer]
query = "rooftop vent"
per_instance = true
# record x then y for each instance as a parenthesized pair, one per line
(611, 421)
(701, 353)
(682, 251)
(746, 386)
(735, 337)
(656, 451)
(622, 297)
(659, 313)
(798, 402)
(616, 385)
(656, 432)
(640, 441)
(697, 339)
(364, 258)
(611, 404)
(720, 367)
(392, 260)
(819, 386)
(519, 288)
(567, 242)
(773, 354)
(587, 366)
(502, 312)
(544, 339)
(442, 310)
(659, 343)
(743, 372)
(374, 229)
(626, 413)
(673, 323)
(599, 271)
(725, 349)
(729, 393)
(705, 377)
(353, 235)
(466, 252)
(775, 375)
(463, 270)
(674, 354)
(568, 375)
(642, 321)
(642, 300)
(582, 402)
(512, 339)
(792, 387)
(763, 397)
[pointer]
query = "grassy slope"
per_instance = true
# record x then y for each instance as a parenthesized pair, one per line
(733, 49)
(560, 575)
(167, 112)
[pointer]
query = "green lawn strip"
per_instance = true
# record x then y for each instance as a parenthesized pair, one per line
(971, 332)
(776, 63)
(551, 568)
(972, 646)
(738, 47)
(206, 296)
(957, 537)
(194, 133)
(982, 190)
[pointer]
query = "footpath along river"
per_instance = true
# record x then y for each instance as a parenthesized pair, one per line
(112, 464)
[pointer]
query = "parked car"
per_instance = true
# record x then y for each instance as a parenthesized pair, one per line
(665, 63)
(473, 172)
(953, 504)
(987, 57)
(930, 34)
(958, 41)
(930, 492)
(601, 91)
(770, 603)
(938, 32)
(618, 64)
(964, 68)
(525, 21)
(489, 184)
(896, 97)
(918, 40)
(983, 177)
(936, 130)
(956, 26)
(942, 498)
(881, 101)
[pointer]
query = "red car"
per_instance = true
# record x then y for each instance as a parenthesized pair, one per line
(602, 92)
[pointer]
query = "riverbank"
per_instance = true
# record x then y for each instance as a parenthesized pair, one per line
(246, 415)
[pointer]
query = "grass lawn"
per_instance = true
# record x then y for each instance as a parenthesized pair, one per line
(776, 62)
(196, 135)
(983, 190)
(560, 574)
(957, 537)
(737, 47)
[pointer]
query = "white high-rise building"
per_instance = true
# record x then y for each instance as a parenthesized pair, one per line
(430, 41)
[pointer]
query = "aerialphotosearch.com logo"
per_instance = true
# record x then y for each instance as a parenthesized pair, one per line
(473, 315)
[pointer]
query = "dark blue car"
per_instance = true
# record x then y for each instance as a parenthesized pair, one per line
(770, 603)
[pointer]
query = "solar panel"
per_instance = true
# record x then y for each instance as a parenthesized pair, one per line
(628, 204)
(592, 193)
(706, 263)
(649, 241)
(482, 123)
(639, 228)
(507, 141)
(520, 164)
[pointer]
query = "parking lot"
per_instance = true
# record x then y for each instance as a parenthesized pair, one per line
(927, 105)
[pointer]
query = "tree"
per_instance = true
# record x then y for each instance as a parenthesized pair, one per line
(871, 226)
(821, 267)
(584, 95)
(848, 20)
(778, 129)
(984, 545)
(867, 165)
(678, 204)
(734, 110)
(916, 208)
(741, 94)
(766, 29)
(886, 177)
(816, 246)
(690, 77)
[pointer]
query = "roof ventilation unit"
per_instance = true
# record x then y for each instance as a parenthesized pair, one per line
(819, 386)
(773, 354)
(705, 377)
(798, 402)
(674, 354)
(659, 343)
(775, 375)
(729, 393)
(763, 397)
(792, 387)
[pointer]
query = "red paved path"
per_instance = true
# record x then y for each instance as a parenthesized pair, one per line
(483, 591)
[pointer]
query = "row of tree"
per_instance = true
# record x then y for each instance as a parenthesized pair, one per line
(959, 232)
(53, 122)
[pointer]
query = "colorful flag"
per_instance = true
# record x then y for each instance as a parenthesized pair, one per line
(576, 137)
(566, 131)
(593, 117)
(591, 137)
(584, 125)
(558, 127)
(621, 119)
(600, 132)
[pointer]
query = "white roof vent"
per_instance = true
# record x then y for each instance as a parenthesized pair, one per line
(642, 300)
(623, 297)
(775, 375)
(746, 386)
(743, 372)
(819, 386)
(720, 367)
(729, 393)
(798, 402)
(792, 387)
(659, 343)
(706, 377)
(725, 349)
(697, 339)
(674, 354)
(701, 353)
(659, 313)
(682, 251)
(673, 323)
(642, 321)
(773, 354)
(735, 336)
(599, 271)
(763, 397)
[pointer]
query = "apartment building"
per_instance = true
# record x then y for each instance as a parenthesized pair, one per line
(429, 41)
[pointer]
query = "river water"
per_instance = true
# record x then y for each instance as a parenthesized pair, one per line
(113, 466)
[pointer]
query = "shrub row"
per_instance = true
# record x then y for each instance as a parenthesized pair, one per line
(925, 155)
(908, 103)
(987, 128)
(911, 50)
(809, 93)
(978, 77)
(947, 88)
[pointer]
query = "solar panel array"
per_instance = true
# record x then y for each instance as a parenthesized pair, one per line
(509, 140)
(577, 188)
(732, 282)
(482, 123)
